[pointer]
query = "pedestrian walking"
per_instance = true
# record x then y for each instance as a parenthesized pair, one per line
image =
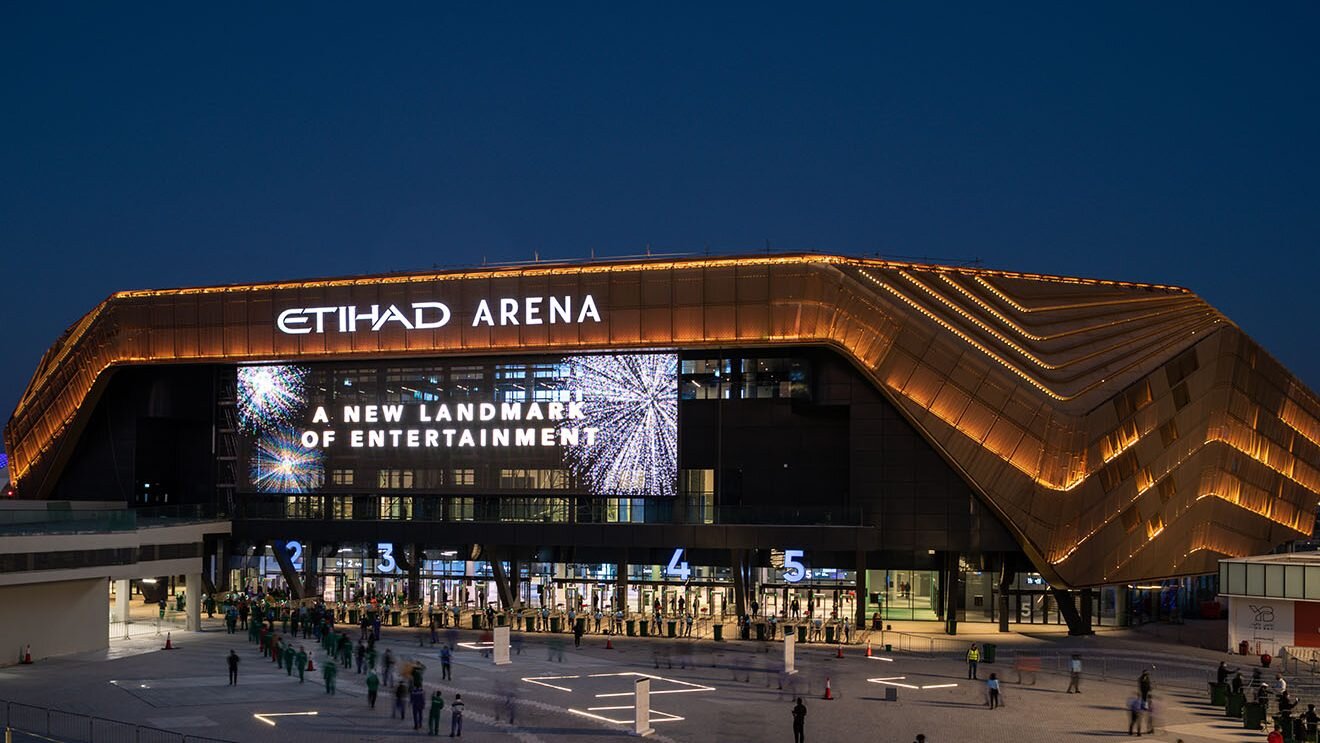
(301, 660)
(373, 686)
(418, 698)
(992, 687)
(289, 657)
(233, 668)
(456, 717)
(388, 662)
(400, 700)
(799, 721)
(437, 706)
(1075, 674)
(361, 656)
(328, 672)
(973, 657)
(1134, 707)
(445, 658)
(1144, 685)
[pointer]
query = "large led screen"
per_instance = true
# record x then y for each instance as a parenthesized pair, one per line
(596, 424)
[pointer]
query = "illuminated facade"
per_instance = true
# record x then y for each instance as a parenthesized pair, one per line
(1120, 432)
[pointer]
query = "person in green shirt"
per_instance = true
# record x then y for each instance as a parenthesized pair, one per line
(301, 660)
(373, 686)
(437, 704)
(329, 671)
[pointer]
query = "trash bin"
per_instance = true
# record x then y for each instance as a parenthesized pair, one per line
(802, 633)
(760, 630)
(394, 618)
(641, 627)
(502, 619)
(632, 628)
(889, 648)
(414, 619)
(1253, 715)
(556, 624)
(1218, 694)
(476, 621)
(1236, 703)
(829, 633)
(353, 616)
(875, 621)
(673, 628)
(719, 632)
(988, 652)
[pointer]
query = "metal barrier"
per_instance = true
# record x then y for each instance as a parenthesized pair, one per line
(30, 722)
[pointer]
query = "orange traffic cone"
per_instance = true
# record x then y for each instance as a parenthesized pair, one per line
(310, 665)
(840, 653)
(828, 693)
(168, 644)
(27, 656)
(609, 644)
(868, 648)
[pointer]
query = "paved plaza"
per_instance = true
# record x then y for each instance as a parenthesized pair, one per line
(700, 690)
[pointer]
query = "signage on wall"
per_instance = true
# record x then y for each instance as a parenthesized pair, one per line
(502, 312)
(611, 420)
(386, 564)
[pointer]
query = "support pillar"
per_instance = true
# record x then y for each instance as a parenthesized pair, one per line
(192, 603)
(291, 577)
(503, 587)
(1006, 578)
(621, 586)
(859, 606)
(1121, 606)
(1068, 609)
(949, 597)
(122, 589)
(311, 566)
(738, 565)
(415, 555)
(1088, 610)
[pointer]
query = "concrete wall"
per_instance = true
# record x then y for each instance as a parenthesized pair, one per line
(55, 618)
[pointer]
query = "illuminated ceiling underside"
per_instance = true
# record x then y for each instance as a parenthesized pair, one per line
(1122, 431)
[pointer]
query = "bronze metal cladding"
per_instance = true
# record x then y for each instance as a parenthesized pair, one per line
(1122, 431)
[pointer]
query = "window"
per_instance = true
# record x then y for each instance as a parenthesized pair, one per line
(1169, 433)
(533, 479)
(463, 477)
(341, 477)
(1133, 399)
(466, 381)
(1117, 471)
(1168, 489)
(1181, 396)
(1131, 518)
(304, 507)
(341, 507)
(698, 482)
(462, 509)
(1181, 367)
(394, 479)
(395, 507)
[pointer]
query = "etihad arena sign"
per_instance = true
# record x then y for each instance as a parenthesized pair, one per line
(430, 315)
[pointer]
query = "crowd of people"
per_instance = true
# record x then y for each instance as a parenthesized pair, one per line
(264, 621)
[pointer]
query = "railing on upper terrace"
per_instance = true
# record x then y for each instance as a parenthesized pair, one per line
(54, 520)
(541, 510)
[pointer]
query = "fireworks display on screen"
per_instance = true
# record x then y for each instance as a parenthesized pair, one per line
(633, 400)
(281, 465)
(270, 396)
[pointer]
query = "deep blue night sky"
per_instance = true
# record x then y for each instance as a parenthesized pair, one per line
(1162, 142)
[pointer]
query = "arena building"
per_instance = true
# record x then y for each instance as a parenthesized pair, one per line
(866, 437)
